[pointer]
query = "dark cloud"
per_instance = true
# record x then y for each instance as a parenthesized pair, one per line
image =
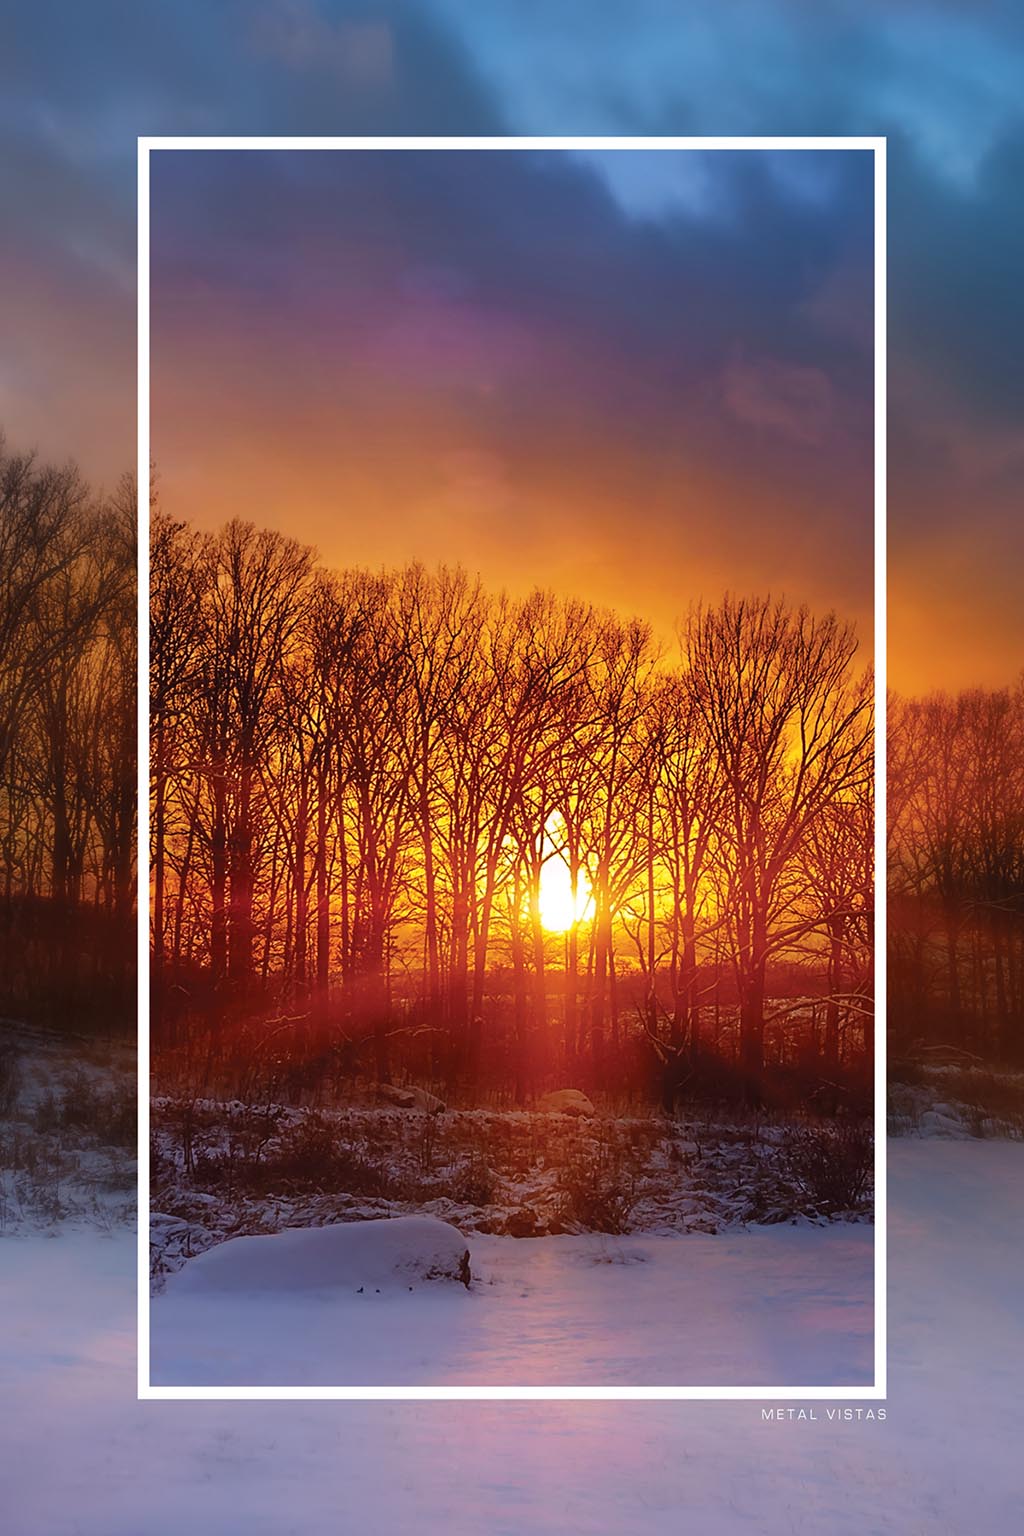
(956, 258)
(591, 380)
(79, 84)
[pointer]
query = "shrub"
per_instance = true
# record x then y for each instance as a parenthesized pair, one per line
(313, 1155)
(475, 1183)
(595, 1191)
(37, 1169)
(832, 1164)
(307, 1156)
(111, 1115)
(10, 1080)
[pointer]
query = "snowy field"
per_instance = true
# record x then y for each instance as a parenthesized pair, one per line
(81, 1457)
(774, 1305)
(605, 1249)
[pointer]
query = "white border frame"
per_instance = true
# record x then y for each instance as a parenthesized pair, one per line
(146, 146)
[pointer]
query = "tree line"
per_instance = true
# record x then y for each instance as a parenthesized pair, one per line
(956, 873)
(359, 781)
(67, 745)
(499, 838)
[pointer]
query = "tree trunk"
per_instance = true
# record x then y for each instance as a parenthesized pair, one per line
(218, 883)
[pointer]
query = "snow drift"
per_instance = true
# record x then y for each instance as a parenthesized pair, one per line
(350, 1254)
(81, 1457)
(789, 1304)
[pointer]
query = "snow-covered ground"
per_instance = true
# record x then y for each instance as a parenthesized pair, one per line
(775, 1305)
(79, 1456)
(605, 1250)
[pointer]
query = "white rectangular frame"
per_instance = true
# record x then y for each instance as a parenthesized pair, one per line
(146, 1391)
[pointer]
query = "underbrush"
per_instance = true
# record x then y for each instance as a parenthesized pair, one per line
(220, 1169)
(10, 1079)
(68, 1130)
(109, 1113)
(35, 1173)
(984, 1101)
(832, 1164)
(599, 1187)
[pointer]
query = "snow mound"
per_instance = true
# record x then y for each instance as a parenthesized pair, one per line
(411, 1098)
(943, 1121)
(348, 1254)
(566, 1101)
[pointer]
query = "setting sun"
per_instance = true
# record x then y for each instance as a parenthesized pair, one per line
(559, 908)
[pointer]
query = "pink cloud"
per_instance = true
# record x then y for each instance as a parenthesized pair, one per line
(450, 343)
(795, 401)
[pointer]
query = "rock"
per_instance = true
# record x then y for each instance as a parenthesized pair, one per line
(410, 1098)
(566, 1101)
(352, 1255)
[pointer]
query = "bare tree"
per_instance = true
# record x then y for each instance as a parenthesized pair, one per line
(367, 785)
(791, 731)
(67, 731)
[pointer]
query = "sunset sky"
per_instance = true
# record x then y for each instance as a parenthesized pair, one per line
(77, 84)
(638, 377)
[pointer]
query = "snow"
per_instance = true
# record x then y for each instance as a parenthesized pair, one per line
(566, 1101)
(943, 1121)
(411, 1098)
(347, 1256)
(262, 1167)
(958, 1102)
(81, 1457)
(775, 1305)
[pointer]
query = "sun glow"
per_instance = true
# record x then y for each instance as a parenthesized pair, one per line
(559, 907)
